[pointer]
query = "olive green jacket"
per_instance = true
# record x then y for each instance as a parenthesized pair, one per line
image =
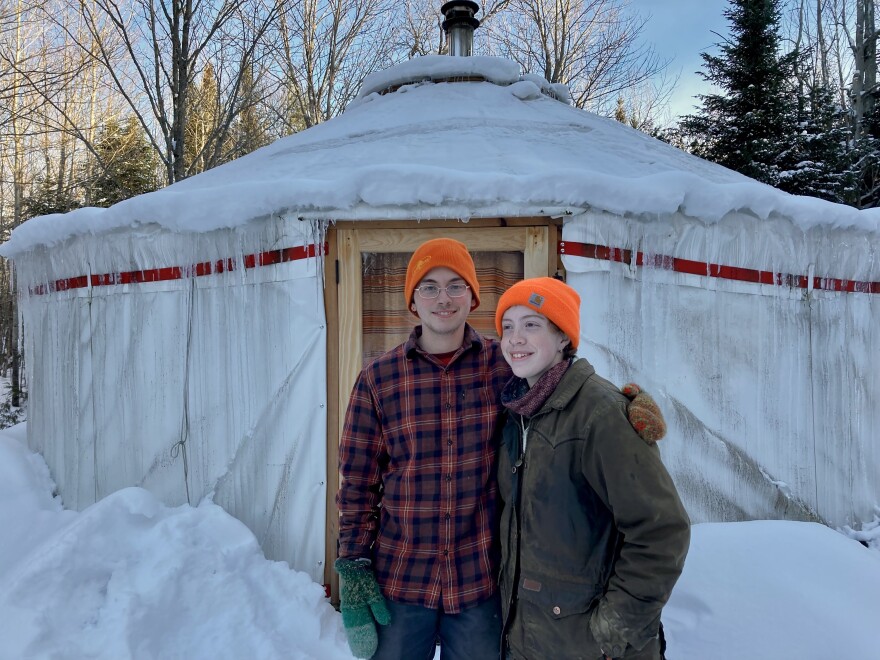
(590, 521)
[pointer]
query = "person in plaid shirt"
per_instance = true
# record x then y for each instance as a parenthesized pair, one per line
(417, 459)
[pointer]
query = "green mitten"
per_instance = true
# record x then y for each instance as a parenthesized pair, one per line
(362, 606)
(644, 414)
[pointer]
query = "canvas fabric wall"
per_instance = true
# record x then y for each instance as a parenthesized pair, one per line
(770, 391)
(204, 386)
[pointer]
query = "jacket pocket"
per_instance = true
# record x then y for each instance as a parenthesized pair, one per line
(554, 618)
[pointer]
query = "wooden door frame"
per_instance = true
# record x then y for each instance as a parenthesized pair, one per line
(536, 238)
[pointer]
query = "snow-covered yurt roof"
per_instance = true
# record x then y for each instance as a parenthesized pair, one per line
(412, 147)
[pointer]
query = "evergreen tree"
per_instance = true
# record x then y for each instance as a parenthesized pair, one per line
(620, 111)
(48, 197)
(868, 160)
(127, 163)
(202, 120)
(748, 128)
(250, 130)
(825, 166)
(291, 118)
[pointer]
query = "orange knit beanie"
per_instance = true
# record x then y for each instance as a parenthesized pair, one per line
(552, 298)
(437, 253)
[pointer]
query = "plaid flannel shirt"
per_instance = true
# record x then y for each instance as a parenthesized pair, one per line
(417, 458)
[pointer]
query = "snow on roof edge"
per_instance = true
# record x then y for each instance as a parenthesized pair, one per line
(676, 192)
(22, 242)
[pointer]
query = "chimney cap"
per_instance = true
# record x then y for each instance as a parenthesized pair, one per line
(460, 11)
(473, 6)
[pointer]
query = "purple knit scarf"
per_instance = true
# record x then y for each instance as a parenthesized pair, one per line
(526, 401)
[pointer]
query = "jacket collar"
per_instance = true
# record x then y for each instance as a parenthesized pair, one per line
(575, 376)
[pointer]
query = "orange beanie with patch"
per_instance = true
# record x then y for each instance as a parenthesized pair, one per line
(550, 297)
(438, 253)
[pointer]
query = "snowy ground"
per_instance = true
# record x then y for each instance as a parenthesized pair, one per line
(131, 578)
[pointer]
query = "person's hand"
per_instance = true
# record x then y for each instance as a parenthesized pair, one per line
(644, 414)
(362, 606)
(606, 627)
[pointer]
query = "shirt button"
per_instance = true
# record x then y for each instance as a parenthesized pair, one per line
(448, 477)
(446, 553)
(557, 611)
(449, 442)
(448, 406)
(447, 516)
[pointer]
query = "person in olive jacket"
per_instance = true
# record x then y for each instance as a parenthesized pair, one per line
(593, 533)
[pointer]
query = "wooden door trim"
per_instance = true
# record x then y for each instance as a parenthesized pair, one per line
(526, 221)
(480, 239)
(331, 307)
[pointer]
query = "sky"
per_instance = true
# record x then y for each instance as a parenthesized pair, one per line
(680, 30)
(130, 578)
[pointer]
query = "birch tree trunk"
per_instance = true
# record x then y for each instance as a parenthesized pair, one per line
(18, 185)
(864, 85)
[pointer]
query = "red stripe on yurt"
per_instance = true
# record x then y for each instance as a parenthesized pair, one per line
(269, 258)
(602, 252)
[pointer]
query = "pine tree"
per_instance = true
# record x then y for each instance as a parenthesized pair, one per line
(48, 197)
(825, 166)
(291, 117)
(250, 130)
(620, 111)
(868, 160)
(202, 120)
(749, 127)
(127, 163)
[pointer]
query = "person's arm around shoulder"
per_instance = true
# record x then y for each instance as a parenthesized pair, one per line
(628, 475)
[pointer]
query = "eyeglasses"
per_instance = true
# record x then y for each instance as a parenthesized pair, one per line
(430, 291)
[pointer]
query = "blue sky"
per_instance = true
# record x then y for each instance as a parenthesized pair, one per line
(680, 30)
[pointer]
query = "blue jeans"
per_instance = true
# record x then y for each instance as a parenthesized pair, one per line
(473, 634)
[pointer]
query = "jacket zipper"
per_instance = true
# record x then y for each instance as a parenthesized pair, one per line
(516, 512)
(516, 506)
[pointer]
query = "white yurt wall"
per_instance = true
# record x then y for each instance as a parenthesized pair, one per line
(205, 384)
(759, 382)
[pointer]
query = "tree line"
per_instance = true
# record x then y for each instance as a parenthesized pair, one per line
(797, 100)
(101, 100)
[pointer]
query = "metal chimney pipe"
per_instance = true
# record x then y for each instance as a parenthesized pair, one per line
(460, 25)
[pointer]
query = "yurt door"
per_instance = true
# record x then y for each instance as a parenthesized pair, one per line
(370, 268)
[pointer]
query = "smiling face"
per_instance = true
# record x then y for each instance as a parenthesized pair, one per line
(531, 344)
(443, 318)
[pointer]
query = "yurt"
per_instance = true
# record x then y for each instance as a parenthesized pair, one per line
(201, 341)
